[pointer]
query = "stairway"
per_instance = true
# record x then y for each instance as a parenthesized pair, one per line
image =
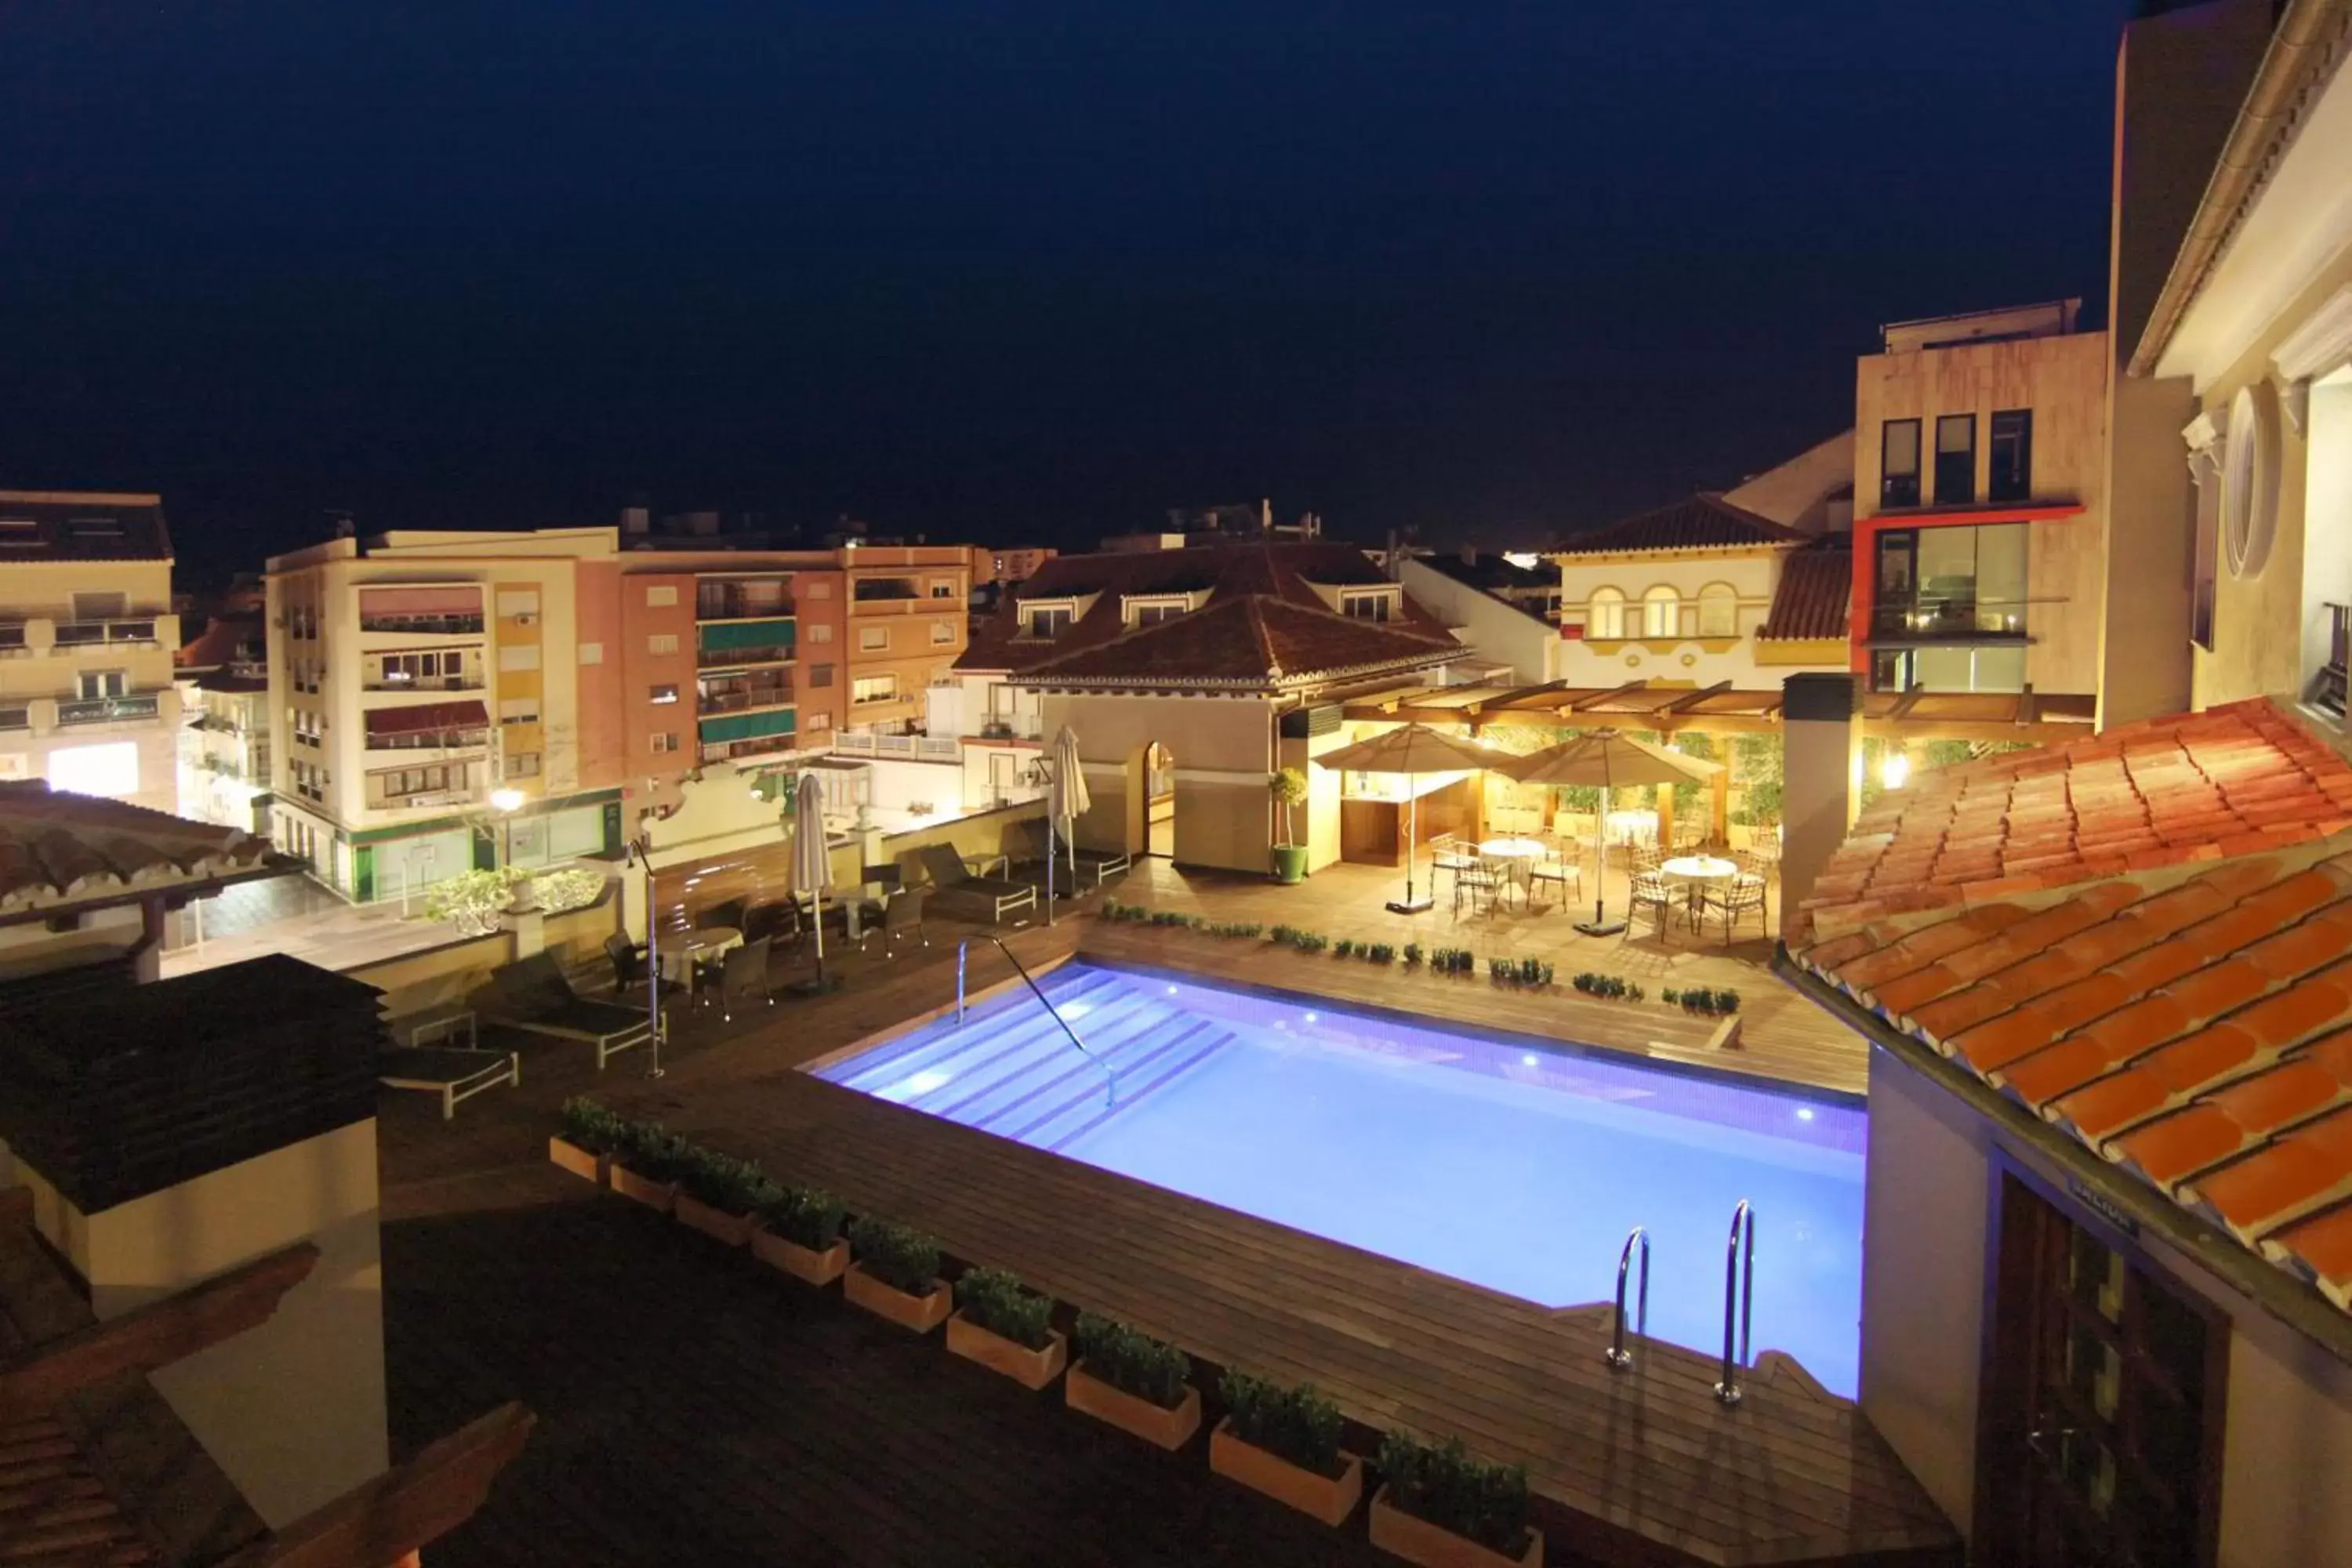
(1012, 1071)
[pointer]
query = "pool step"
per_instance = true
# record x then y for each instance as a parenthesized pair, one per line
(927, 1046)
(1085, 1084)
(1043, 1058)
(1174, 1065)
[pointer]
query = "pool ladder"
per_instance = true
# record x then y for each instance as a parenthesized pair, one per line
(1739, 1299)
(963, 953)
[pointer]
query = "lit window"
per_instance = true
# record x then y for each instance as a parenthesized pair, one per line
(942, 633)
(522, 764)
(1605, 617)
(1662, 613)
(1718, 611)
(872, 639)
(661, 694)
(874, 688)
(111, 769)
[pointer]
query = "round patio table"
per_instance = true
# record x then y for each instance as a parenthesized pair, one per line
(704, 944)
(1697, 873)
(1517, 855)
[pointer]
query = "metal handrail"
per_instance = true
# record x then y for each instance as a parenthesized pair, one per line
(963, 948)
(1738, 1292)
(1617, 1355)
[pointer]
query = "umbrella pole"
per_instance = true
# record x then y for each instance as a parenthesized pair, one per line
(1049, 871)
(1601, 925)
(816, 902)
(1411, 906)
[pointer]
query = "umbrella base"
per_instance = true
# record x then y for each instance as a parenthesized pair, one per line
(1599, 928)
(1411, 905)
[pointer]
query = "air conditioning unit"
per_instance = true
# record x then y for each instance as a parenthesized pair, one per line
(526, 619)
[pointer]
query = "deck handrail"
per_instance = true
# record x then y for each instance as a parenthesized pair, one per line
(1739, 1296)
(963, 950)
(1617, 1355)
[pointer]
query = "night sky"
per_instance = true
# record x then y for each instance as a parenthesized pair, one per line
(1033, 269)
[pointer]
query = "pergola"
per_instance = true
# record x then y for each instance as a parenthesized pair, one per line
(1722, 709)
(2032, 717)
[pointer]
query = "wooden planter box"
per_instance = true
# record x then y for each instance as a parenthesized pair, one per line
(1030, 1369)
(1418, 1541)
(1169, 1428)
(580, 1161)
(660, 1197)
(819, 1268)
(920, 1313)
(1327, 1497)
(729, 1229)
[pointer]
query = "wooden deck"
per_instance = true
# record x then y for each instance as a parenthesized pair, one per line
(1644, 1466)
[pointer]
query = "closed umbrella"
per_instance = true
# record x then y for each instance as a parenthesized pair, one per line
(1415, 749)
(811, 859)
(1606, 758)
(1065, 801)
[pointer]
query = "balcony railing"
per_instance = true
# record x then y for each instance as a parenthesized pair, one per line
(430, 625)
(431, 740)
(742, 698)
(15, 718)
(1012, 727)
(422, 683)
(870, 590)
(756, 745)
(737, 658)
(1949, 619)
(709, 607)
(107, 710)
(12, 638)
(89, 633)
(922, 748)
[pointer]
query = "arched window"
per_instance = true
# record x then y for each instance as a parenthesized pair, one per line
(1605, 617)
(2250, 481)
(1662, 613)
(1718, 611)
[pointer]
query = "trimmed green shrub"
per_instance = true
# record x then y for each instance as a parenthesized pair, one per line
(1309, 941)
(1412, 952)
(1457, 1491)
(995, 1299)
(1346, 947)
(1453, 961)
(1282, 933)
(726, 1183)
(651, 1151)
(1133, 1362)
(898, 1254)
(587, 1124)
(1381, 952)
(805, 1216)
(1294, 1423)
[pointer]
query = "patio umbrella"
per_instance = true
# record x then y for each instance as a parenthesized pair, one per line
(1607, 758)
(1065, 801)
(1415, 749)
(812, 860)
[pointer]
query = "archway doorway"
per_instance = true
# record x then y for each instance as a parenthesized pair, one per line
(1159, 801)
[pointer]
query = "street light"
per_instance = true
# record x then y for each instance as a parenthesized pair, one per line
(506, 800)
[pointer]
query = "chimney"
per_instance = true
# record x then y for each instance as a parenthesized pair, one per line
(1820, 772)
(635, 522)
(1469, 555)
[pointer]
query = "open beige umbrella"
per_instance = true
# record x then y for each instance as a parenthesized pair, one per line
(1415, 749)
(1606, 758)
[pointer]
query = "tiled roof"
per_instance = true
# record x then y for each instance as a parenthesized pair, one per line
(1815, 588)
(60, 848)
(63, 525)
(1286, 572)
(1256, 639)
(1704, 522)
(2183, 1007)
(230, 637)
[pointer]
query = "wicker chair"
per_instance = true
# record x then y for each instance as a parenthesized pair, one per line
(1732, 902)
(1447, 854)
(1562, 864)
(743, 979)
(1653, 898)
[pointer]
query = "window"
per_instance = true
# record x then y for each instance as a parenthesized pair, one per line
(1718, 611)
(1951, 584)
(94, 684)
(872, 639)
(2250, 481)
(1662, 613)
(662, 643)
(821, 632)
(518, 711)
(943, 588)
(1049, 620)
(1151, 611)
(942, 633)
(661, 598)
(819, 721)
(1378, 606)
(1898, 463)
(519, 602)
(518, 658)
(661, 694)
(1955, 459)
(592, 653)
(2011, 478)
(98, 606)
(814, 587)
(522, 764)
(663, 743)
(821, 675)
(874, 688)
(1605, 617)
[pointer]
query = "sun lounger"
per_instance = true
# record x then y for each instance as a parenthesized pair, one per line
(450, 1071)
(1094, 866)
(957, 893)
(532, 994)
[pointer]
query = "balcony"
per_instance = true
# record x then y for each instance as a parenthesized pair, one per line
(743, 645)
(471, 681)
(872, 590)
(747, 600)
(914, 747)
(1012, 727)
(1948, 618)
(762, 746)
(431, 740)
(743, 696)
(107, 710)
(15, 718)
(12, 638)
(102, 633)
(439, 625)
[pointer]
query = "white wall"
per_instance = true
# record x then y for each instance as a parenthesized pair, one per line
(1685, 658)
(1486, 624)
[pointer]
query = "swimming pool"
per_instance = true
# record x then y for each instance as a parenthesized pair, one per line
(1514, 1166)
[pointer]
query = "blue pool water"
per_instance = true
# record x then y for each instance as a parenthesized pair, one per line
(1506, 1163)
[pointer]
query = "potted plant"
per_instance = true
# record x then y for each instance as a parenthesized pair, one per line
(1285, 1442)
(1006, 1329)
(720, 1196)
(897, 1275)
(1288, 788)
(800, 1233)
(1441, 1506)
(590, 1135)
(647, 1165)
(1134, 1382)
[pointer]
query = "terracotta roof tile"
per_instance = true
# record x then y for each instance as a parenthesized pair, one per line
(2185, 1010)
(58, 849)
(1811, 600)
(1704, 522)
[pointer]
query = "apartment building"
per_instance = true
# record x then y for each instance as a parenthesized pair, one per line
(427, 678)
(86, 639)
(1979, 522)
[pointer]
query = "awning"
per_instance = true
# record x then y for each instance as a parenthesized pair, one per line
(747, 726)
(427, 717)
(456, 599)
(724, 636)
